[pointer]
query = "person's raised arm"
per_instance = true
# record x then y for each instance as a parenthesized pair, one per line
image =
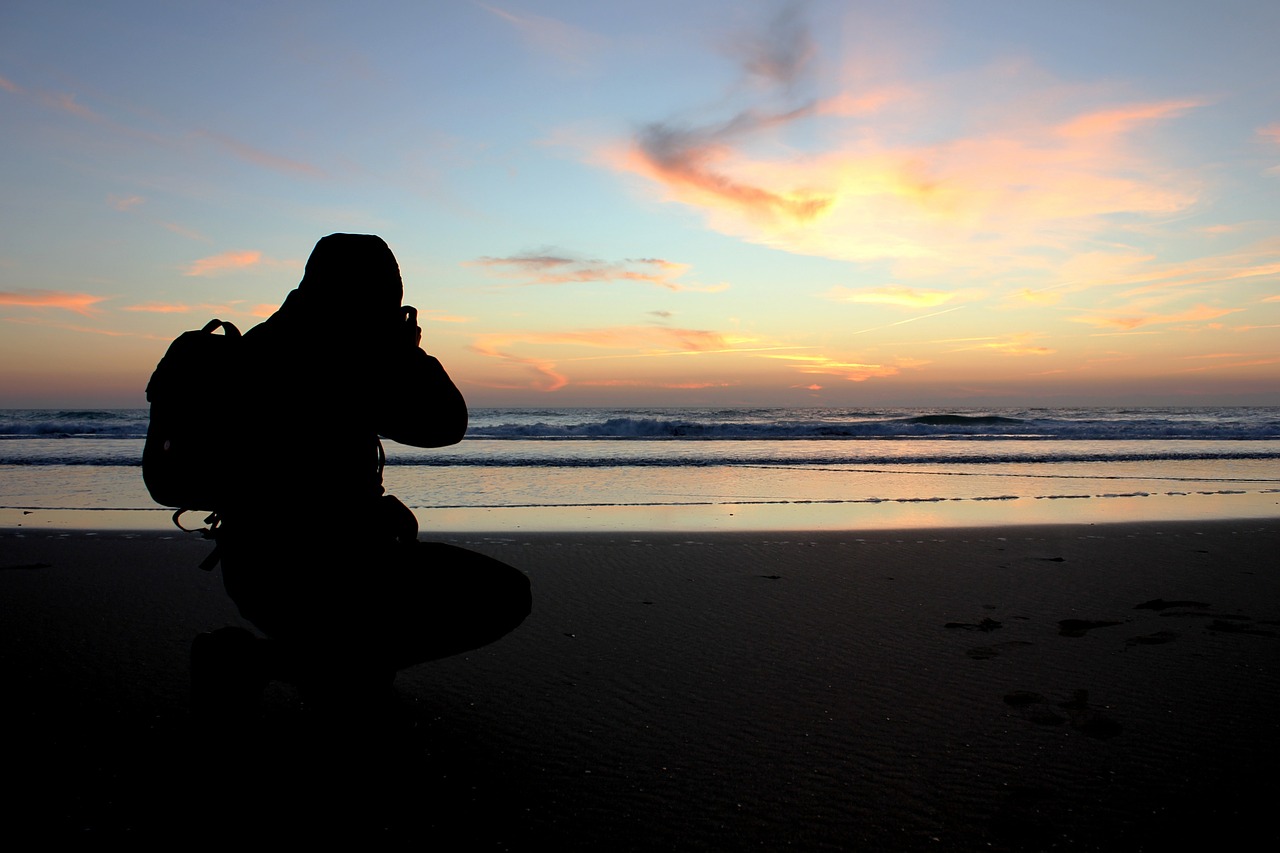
(419, 403)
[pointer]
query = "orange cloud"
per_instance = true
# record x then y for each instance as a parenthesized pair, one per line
(644, 383)
(1227, 366)
(66, 327)
(552, 267)
(1012, 345)
(177, 308)
(1005, 194)
(160, 308)
(80, 303)
(696, 166)
(10, 86)
(215, 264)
(851, 371)
(623, 341)
(1199, 313)
(1112, 122)
(1037, 297)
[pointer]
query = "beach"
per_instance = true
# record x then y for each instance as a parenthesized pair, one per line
(1068, 687)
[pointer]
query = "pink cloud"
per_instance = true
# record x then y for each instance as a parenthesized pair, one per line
(1120, 120)
(216, 264)
(178, 308)
(88, 330)
(552, 267)
(125, 203)
(259, 157)
(160, 308)
(67, 103)
(553, 37)
(80, 303)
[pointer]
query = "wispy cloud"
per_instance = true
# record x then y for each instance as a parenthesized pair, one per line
(551, 266)
(86, 330)
(440, 317)
(80, 303)
(650, 383)
(997, 188)
(780, 52)
(125, 203)
(66, 102)
(259, 157)
(851, 371)
(1229, 365)
(215, 264)
(893, 295)
(1014, 345)
(176, 308)
(1271, 134)
(563, 41)
(1128, 322)
(696, 165)
(531, 350)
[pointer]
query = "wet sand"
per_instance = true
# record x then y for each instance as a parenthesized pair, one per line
(1061, 687)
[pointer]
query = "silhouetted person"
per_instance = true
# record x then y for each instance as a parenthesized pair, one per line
(313, 553)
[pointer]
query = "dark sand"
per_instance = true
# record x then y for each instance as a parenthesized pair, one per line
(932, 690)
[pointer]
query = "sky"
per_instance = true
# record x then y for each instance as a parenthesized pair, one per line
(662, 203)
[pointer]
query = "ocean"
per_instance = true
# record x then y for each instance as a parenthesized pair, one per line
(724, 469)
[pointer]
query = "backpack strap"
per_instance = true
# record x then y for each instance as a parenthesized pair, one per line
(213, 531)
(228, 328)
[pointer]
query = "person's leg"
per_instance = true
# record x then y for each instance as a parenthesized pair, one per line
(391, 606)
(445, 600)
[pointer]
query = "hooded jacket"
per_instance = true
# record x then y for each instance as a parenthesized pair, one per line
(333, 369)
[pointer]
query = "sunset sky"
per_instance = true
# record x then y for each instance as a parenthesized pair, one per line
(662, 203)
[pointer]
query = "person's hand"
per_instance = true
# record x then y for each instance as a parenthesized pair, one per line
(412, 331)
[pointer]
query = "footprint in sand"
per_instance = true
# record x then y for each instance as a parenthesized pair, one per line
(1159, 604)
(1080, 627)
(988, 652)
(1225, 627)
(1079, 715)
(987, 624)
(1156, 639)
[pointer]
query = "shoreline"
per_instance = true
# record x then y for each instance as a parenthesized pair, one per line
(1089, 686)
(833, 516)
(496, 534)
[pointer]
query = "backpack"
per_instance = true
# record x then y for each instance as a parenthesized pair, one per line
(190, 446)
